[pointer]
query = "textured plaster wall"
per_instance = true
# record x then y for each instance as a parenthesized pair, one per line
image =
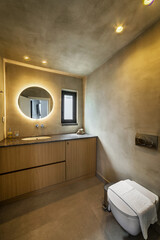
(1, 100)
(17, 78)
(123, 98)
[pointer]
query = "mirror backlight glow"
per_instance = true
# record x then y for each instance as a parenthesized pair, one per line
(35, 102)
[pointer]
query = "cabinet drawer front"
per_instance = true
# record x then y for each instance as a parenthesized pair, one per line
(26, 156)
(18, 183)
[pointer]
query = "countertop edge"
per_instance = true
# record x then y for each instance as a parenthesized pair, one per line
(4, 144)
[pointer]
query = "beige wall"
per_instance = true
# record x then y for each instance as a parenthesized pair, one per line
(17, 78)
(123, 98)
(1, 100)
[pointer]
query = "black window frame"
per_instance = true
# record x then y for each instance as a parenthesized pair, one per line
(69, 121)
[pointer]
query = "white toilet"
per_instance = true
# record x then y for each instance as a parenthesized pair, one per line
(124, 215)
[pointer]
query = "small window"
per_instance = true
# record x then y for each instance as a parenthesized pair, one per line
(69, 108)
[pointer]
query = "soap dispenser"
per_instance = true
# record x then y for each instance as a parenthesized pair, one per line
(9, 133)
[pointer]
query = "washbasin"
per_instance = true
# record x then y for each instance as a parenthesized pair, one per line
(35, 138)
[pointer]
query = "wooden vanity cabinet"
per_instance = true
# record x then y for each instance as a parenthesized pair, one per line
(80, 158)
(26, 168)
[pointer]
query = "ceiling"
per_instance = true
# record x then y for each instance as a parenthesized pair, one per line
(75, 36)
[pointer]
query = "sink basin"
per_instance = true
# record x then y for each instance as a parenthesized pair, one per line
(35, 138)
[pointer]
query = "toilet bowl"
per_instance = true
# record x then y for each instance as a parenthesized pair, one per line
(124, 215)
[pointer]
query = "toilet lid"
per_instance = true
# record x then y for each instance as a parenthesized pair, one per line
(120, 204)
(153, 197)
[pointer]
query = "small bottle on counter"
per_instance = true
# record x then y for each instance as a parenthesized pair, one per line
(9, 133)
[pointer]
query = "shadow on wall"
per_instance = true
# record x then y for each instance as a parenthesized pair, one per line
(104, 165)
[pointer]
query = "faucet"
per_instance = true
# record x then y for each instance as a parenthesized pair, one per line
(37, 125)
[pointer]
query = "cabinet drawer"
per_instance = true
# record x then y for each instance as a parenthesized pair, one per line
(14, 184)
(26, 156)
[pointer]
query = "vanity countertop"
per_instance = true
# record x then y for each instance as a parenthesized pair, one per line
(53, 138)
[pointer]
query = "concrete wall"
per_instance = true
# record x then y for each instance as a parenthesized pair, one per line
(123, 98)
(1, 100)
(17, 78)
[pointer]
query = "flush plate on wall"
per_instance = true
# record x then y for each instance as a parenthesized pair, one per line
(145, 140)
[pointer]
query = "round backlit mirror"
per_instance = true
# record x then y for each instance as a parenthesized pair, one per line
(35, 102)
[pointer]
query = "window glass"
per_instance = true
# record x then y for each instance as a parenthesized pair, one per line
(68, 107)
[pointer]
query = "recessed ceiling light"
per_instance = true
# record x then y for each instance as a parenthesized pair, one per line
(119, 29)
(26, 58)
(148, 2)
(44, 62)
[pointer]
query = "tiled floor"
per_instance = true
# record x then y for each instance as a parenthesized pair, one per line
(69, 212)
